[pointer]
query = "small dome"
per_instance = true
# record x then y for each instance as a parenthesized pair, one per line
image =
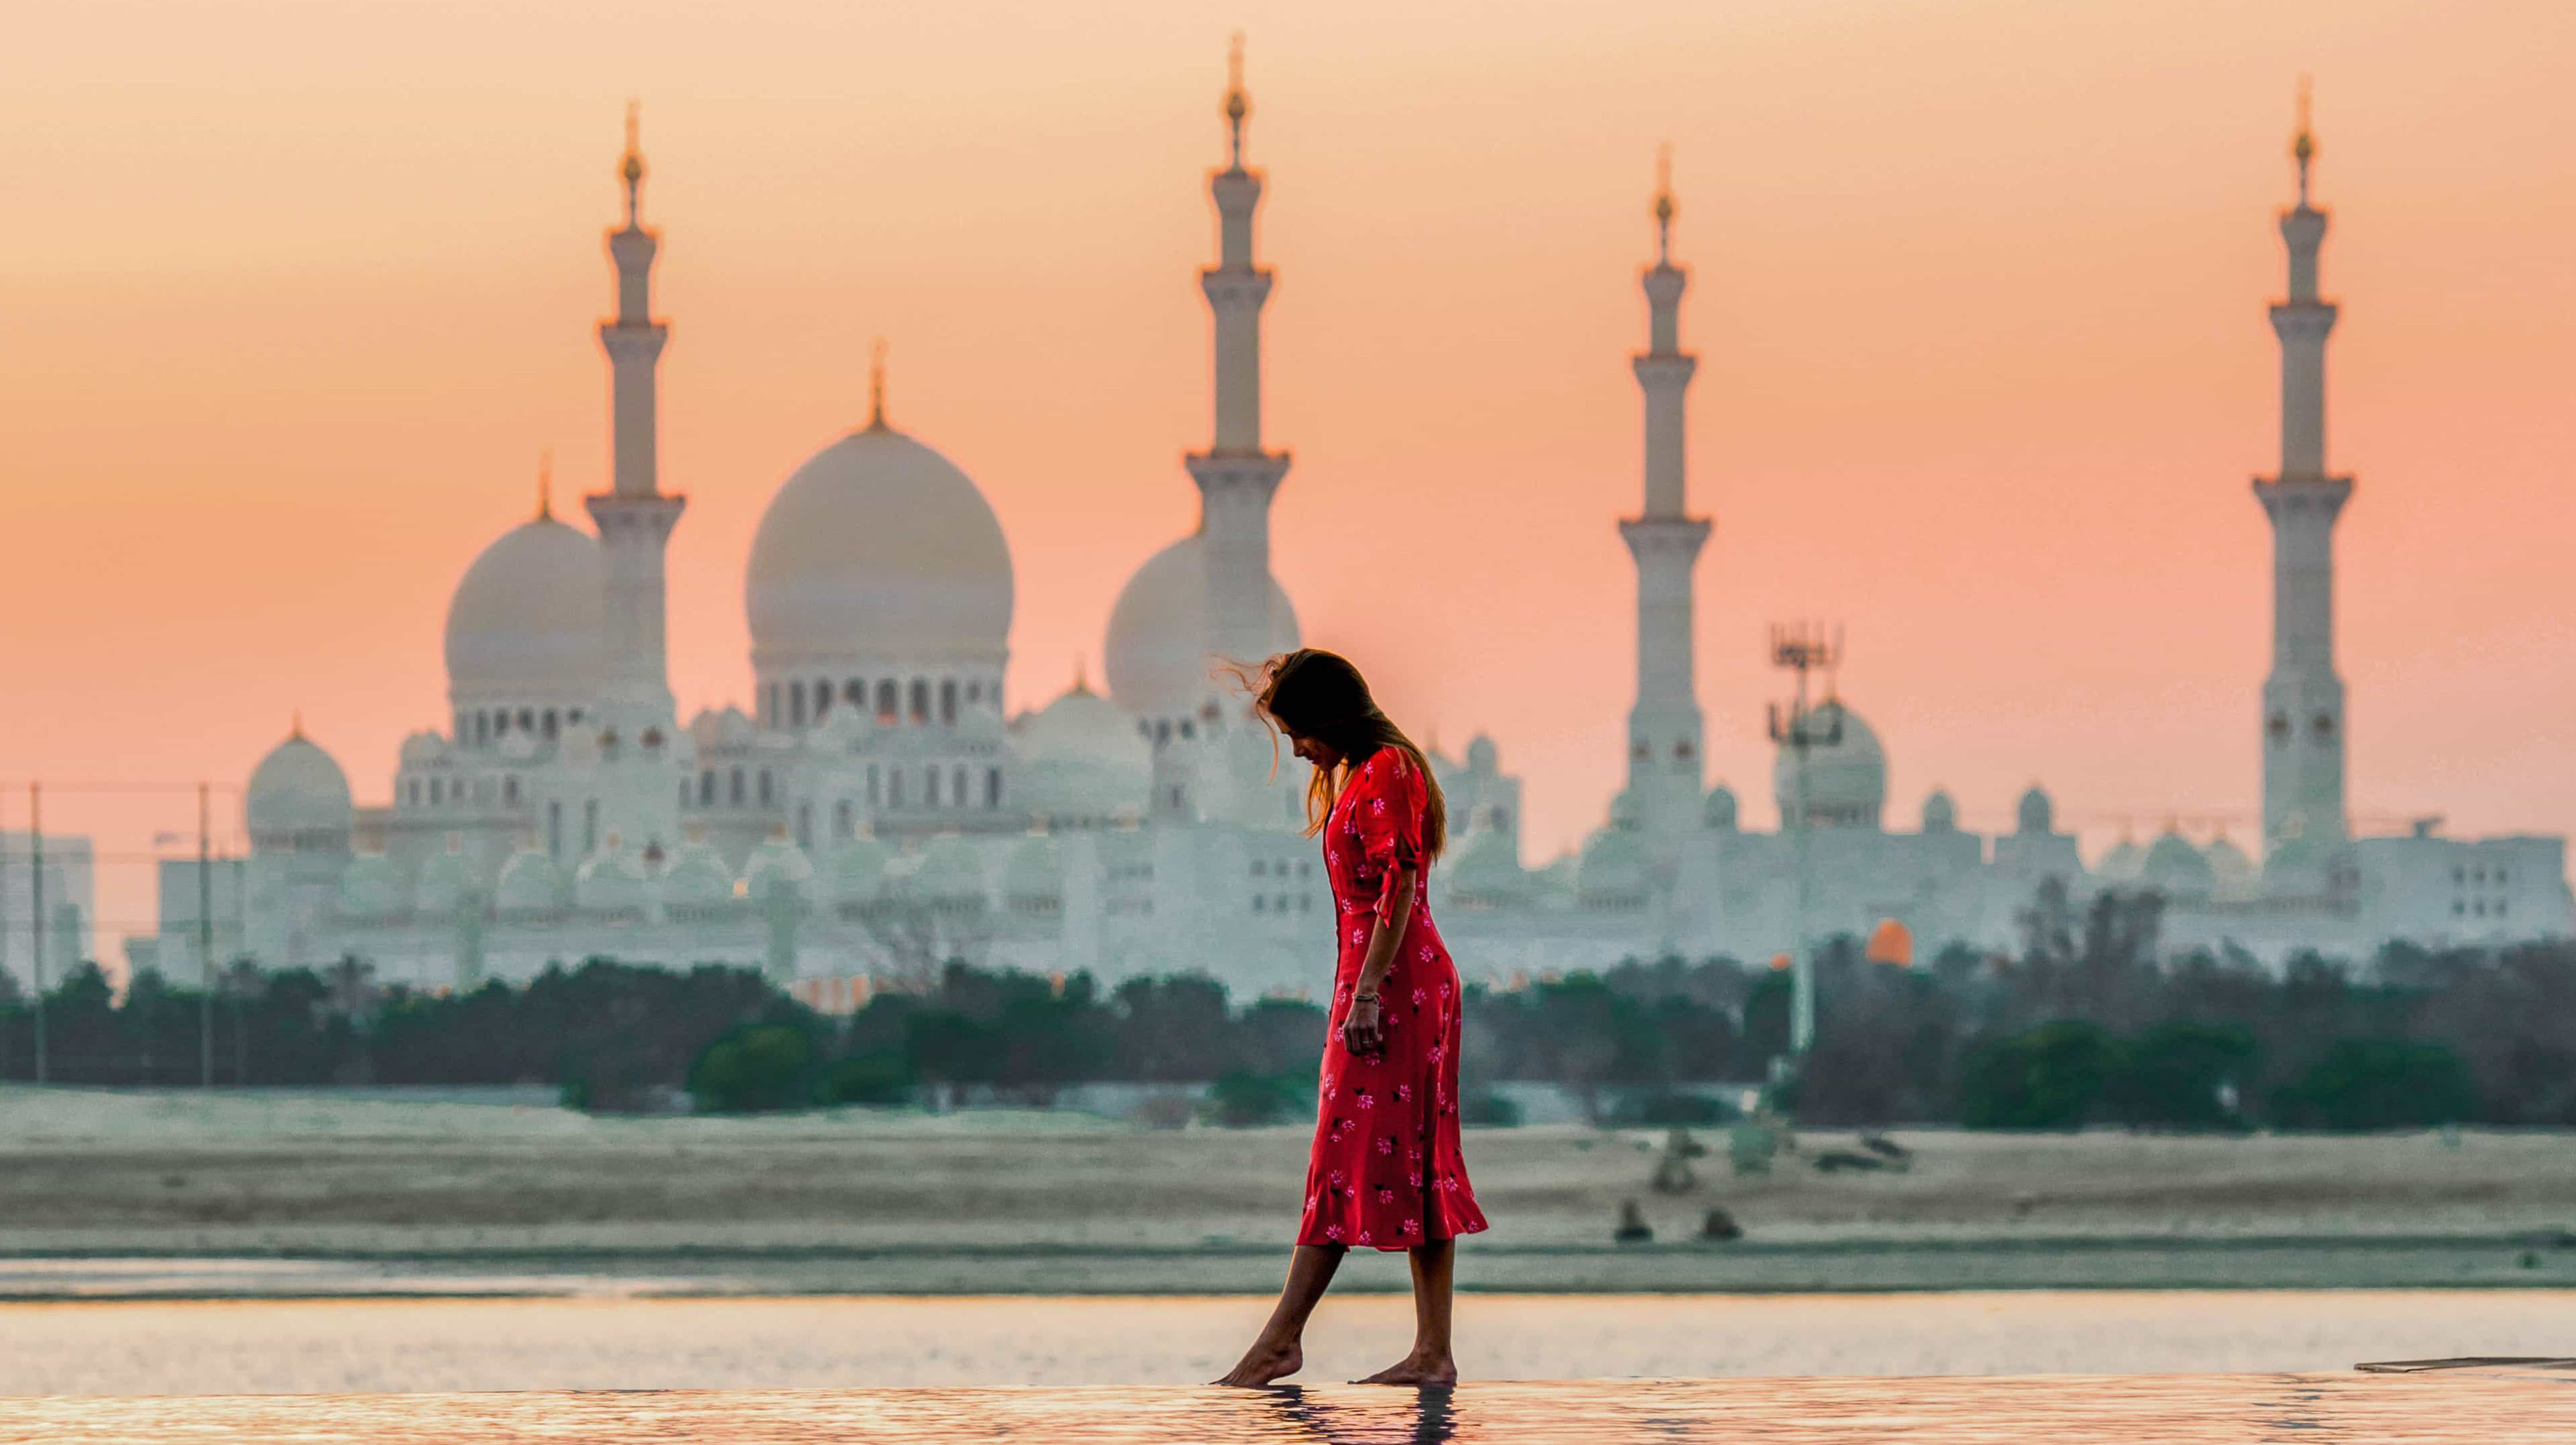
(778, 867)
(2036, 813)
(697, 876)
(1158, 653)
(2125, 863)
(422, 749)
(949, 871)
(530, 883)
(1846, 770)
(878, 547)
(1613, 869)
(528, 618)
(1940, 812)
(611, 880)
(2233, 877)
(371, 887)
(1483, 759)
(1488, 867)
(859, 868)
(298, 799)
(440, 892)
(2176, 869)
(1081, 726)
(1034, 872)
(1719, 812)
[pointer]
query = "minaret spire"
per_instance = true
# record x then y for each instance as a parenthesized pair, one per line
(546, 484)
(1664, 728)
(2303, 698)
(1236, 476)
(876, 385)
(635, 517)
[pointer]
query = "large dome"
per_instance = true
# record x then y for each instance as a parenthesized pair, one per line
(298, 799)
(527, 621)
(878, 547)
(1158, 653)
(1846, 770)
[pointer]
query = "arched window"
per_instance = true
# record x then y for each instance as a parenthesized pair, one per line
(510, 790)
(855, 693)
(464, 728)
(733, 790)
(573, 716)
(876, 794)
(930, 786)
(975, 691)
(843, 822)
(527, 719)
(767, 793)
(805, 825)
(769, 706)
(888, 701)
(482, 728)
(554, 828)
(992, 787)
(920, 700)
(1185, 728)
(796, 704)
(957, 786)
(707, 788)
(437, 791)
(501, 723)
(822, 697)
(948, 701)
(589, 826)
(894, 788)
(552, 724)
(413, 792)
(1163, 730)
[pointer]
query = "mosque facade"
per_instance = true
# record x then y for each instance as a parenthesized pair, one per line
(880, 811)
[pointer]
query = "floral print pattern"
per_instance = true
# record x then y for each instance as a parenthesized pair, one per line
(1361, 1187)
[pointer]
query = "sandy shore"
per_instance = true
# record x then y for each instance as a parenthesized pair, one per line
(389, 1191)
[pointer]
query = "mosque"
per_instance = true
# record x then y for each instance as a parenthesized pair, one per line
(881, 810)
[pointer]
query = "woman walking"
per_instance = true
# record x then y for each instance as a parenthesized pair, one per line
(1385, 1171)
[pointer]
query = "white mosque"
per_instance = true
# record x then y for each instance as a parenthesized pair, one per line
(882, 810)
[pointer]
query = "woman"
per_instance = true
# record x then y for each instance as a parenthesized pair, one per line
(1385, 1170)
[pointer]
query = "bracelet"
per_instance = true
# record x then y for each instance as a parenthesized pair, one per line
(1369, 997)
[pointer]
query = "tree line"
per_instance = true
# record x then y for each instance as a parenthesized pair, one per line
(2086, 1022)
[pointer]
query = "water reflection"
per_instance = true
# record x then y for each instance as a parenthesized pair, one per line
(1429, 1415)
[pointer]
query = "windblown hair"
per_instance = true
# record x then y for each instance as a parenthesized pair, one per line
(1311, 693)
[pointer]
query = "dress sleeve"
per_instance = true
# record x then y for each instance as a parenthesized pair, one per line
(1388, 814)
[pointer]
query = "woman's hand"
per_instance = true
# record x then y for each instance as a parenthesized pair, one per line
(1360, 1033)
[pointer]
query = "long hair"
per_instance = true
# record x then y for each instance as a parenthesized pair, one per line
(1311, 693)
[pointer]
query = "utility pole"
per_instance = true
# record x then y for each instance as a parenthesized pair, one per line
(205, 943)
(1802, 650)
(36, 910)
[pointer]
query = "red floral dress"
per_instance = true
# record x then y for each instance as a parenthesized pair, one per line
(1386, 1170)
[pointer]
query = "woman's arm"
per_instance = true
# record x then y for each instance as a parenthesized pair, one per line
(1360, 1031)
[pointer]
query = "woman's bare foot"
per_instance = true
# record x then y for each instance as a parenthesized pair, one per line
(1265, 1362)
(1416, 1370)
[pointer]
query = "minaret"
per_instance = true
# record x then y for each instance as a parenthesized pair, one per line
(2303, 723)
(1236, 478)
(635, 516)
(1664, 726)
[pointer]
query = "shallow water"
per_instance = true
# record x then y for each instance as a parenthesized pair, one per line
(388, 1346)
(2489, 1408)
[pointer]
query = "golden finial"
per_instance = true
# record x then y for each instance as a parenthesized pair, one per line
(631, 167)
(1664, 207)
(1237, 103)
(295, 724)
(2303, 146)
(546, 484)
(1081, 674)
(876, 385)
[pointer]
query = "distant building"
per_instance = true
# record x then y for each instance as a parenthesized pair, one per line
(879, 810)
(63, 869)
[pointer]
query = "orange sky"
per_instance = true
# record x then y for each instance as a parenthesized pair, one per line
(293, 292)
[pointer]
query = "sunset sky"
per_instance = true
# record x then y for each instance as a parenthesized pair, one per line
(292, 295)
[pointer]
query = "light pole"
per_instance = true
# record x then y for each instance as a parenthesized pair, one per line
(1801, 650)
